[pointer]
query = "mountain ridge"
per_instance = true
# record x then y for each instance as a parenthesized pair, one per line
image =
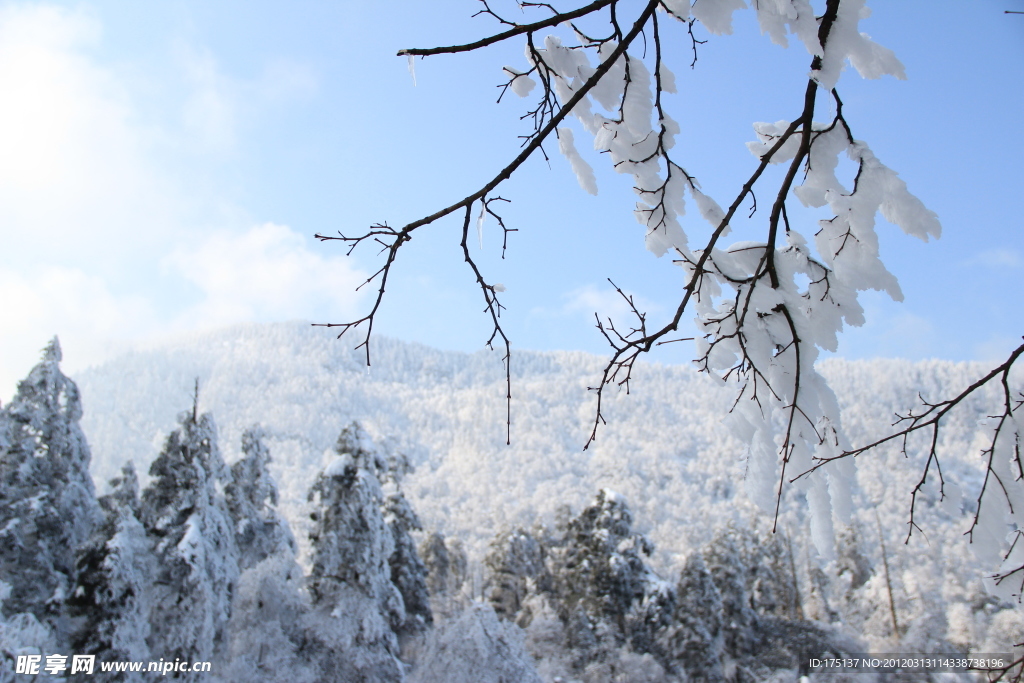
(663, 447)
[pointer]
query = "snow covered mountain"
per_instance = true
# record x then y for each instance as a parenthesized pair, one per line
(664, 447)
(559, 583)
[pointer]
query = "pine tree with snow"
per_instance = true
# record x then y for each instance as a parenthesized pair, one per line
(447, 568)
(726, 557)
(251, 495)
(185, 513)
(695, 639)
(772, 581)
(47, 504)
(408, 572)
(477, 647)
(22, 634)
(268, 617)
(270, 604)
(516, 566)
(458, 568)
(736, 612)
(438, 562)
(601, 580)
(356, 605)
(112, 599)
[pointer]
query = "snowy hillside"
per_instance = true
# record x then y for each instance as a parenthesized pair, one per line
(664, 448)
(536, 562)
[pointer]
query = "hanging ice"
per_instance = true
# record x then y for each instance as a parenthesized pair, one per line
(584, 174)
(480, 223)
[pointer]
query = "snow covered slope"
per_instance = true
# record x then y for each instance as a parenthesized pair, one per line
(664, 447)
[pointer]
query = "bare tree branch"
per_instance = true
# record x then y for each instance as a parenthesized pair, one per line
(517, 30)
(391, 240)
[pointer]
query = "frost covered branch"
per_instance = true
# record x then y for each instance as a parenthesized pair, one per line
(392, 240)
(1005, 437)
(765, 308)
(627, 350)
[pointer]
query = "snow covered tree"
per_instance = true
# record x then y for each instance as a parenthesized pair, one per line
(358, 607)
(603, 589)
(22, 634)
(408, 572)
(695, 639)
(260, 531)
(516, 566)
(47, 504)
(477, 647)
(726, 562)
(184, 512)
(765, 307)
(270, 603)
(438, 563)
(447, 567)
(734, 612)
(267, 624)
(111, 603)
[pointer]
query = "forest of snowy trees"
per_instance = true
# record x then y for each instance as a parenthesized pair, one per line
(200, 566)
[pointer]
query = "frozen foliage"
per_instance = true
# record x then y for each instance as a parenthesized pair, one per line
(408, 572)
(594, 611)
(665, 449)
(112, 600)
(349, 639)
(184, 511)
(351, 537)
(265, 631)
(759, 626)
(447, 572)
(765, 307)
(600, 576)
(515, 567)
(585, 174)
(586, 593)
(695, 638)
(251, 497)
(367, 582)
(22, 634)
(477, 647)
(266, 626)
(47, 505)
(356, 604)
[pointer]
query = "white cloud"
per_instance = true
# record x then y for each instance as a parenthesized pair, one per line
(67, 302)
(209, 111)
(606, 302)
(264, 274)
(98, 185)
(74, 179)
(996, 258)
(996, 349)
(218, 106)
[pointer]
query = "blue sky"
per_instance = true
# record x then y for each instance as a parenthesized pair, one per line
(164, 165)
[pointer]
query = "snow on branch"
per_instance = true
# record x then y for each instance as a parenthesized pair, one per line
(765, 308)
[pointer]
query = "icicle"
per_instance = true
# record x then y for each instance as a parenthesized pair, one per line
(480, 223)
(412, 69)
